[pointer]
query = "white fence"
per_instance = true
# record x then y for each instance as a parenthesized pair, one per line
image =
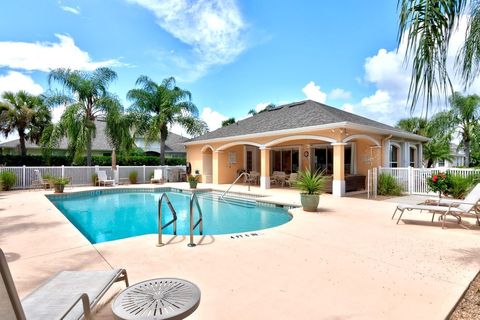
(81, 176)
(414, 180)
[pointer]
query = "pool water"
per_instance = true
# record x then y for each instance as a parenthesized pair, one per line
(111, 216)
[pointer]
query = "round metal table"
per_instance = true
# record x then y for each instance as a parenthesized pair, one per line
(162, 298)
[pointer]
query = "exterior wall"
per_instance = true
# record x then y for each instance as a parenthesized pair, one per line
(367, 153)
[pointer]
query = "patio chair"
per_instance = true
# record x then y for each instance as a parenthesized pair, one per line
(253, 177)
(291, 179)
(157, 176)
(40, 181)
(454, 208)
(59, 297)
(102, 178)
(278, 177)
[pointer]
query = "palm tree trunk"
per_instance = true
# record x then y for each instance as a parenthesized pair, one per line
(23, 149)
(466, 144)
(162, 151)
(89, 149)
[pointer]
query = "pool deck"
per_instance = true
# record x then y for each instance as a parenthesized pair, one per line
(349, 260)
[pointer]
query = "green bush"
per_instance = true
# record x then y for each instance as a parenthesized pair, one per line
(132, 176)
(388, 186)
(459, 186)
(37, 160)
(7, 180)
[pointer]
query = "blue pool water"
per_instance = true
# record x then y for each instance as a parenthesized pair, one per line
(109, 216)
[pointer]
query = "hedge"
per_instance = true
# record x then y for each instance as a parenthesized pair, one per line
(38, 160)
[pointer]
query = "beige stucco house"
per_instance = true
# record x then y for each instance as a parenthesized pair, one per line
(301, 135)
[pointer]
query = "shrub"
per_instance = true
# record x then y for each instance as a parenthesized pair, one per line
(459, 186)
(7, 180)
(388, 185)
(132, 176)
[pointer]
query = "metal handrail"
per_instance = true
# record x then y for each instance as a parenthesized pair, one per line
(174, 220)
(238, 178)
(193, 198)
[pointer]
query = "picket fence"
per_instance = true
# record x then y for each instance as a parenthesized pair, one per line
(413, 180)
(81, 176)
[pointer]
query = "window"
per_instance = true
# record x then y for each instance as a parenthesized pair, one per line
(394, 156)
(413, 158)
(285, 160)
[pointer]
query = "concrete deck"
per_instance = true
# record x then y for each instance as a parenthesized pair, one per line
(347, 261)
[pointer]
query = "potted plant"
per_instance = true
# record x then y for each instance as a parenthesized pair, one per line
(132, 176)
(311, 184)
(193, 181)
(59, 183)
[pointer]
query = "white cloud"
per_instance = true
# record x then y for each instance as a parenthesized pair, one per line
(44, 56)
(313, 92)
(71, 9)
(262, 105)
(213, 29)
(339, 93)
(212, 118)
(15, 81)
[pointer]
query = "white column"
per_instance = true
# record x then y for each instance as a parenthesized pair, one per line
(264, 168)
(420, 155)
(386, 153)
(405, 153)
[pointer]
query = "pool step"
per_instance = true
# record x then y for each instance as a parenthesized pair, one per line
(246, 203)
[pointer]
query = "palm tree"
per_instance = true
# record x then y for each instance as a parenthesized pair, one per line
(24, 113)
(228, 122)
(437, 150)
(86, 96)
(464, 116)
(426, 27)
(159, 106)
(414, 125)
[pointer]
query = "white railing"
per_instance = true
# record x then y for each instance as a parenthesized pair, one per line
(414, 180)
(81, 176)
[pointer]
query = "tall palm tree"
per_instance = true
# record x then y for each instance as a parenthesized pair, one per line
(464, 116)
(159, 106)
(86, 96)
(426, 27)
(25, 113)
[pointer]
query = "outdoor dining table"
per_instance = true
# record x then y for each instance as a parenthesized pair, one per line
(161, 298)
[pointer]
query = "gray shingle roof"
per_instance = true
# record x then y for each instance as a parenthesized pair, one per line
(290, 116)
(174, 143)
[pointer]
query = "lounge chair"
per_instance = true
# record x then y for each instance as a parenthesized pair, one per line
(59, 297)
(102, 178)
(291, 179)
(454, 208)
(157, 176)
(40, 181)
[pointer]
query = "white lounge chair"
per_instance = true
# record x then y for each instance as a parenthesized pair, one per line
(102, 178)
(40, 181)
(157, 176)
(454, 208)
(59, 297)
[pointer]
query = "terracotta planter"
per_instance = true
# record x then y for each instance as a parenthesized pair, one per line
(193, 184)
(309, 201)
(58, 188)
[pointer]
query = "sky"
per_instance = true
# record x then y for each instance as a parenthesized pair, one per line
(232, 56)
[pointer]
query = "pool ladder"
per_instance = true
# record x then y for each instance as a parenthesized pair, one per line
(246, 174)
(193, 200)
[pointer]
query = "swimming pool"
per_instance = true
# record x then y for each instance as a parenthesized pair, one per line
(105, 215)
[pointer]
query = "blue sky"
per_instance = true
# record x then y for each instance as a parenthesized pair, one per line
(232, 55)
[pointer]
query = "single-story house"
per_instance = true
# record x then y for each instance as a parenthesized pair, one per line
(302, 135)
(101, 147)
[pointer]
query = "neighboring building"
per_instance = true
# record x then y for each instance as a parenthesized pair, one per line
(301, 135)
(458, 158)
(100, 145)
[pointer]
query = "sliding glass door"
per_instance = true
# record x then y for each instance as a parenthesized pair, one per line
(323, 159)
(285, 160)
